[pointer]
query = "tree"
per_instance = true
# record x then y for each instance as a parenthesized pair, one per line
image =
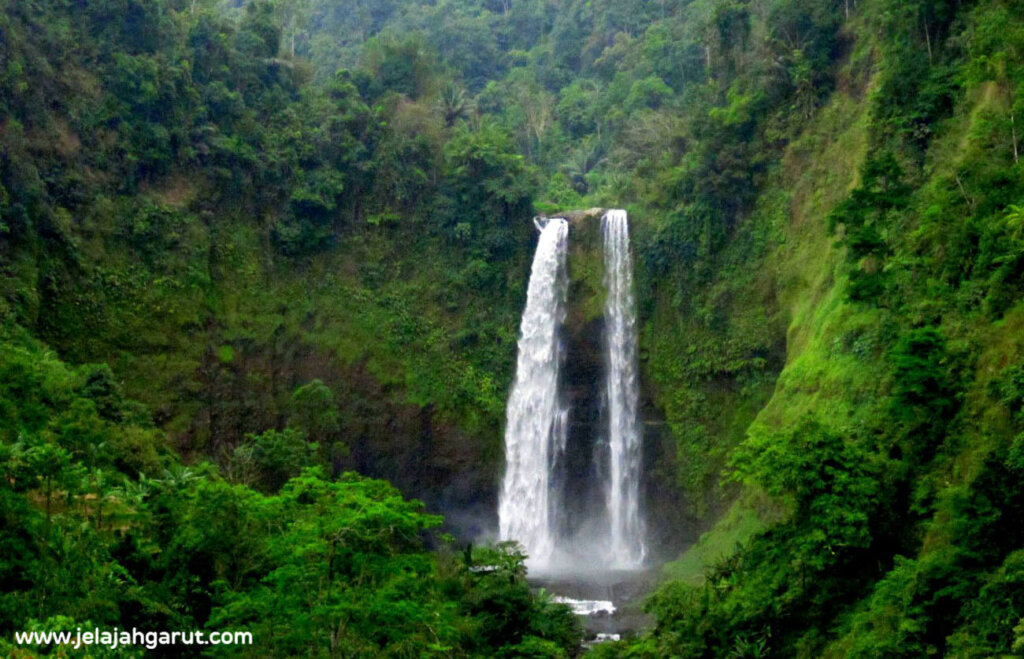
(314, 410)
(347, 572)
(830, 480)
(489, 182)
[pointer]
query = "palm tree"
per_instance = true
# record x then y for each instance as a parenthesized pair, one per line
(581, 161)
(453, 103)
(97, 486)
(1015, 221)
(131, 493)
(177, 477)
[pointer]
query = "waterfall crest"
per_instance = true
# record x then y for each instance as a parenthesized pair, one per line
(626, 547)
(535, 431)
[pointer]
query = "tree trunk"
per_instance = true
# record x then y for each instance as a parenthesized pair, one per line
(1013, 132)
(928, 41)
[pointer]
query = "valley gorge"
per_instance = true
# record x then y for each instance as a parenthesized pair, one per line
(266, 272)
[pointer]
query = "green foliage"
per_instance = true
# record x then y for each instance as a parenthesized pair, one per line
(345, 574)
(863, 215)
(399, 66)
(990, 617)
(490, 186)
(921, 383)
(510, 616)
(314, 409)
(225, 200)
(271, 458)
(319, 568)
(830, 480)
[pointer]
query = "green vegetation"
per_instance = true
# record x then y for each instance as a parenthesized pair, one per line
(248, 248)
(105, 527)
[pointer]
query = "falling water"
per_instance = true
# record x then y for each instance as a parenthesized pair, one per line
(536, 422)
(626, 534)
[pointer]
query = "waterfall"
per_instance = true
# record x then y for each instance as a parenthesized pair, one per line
(535, 430)
(622, 493)
(536, 424)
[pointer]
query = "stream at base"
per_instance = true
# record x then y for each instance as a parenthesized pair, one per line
(609, 602)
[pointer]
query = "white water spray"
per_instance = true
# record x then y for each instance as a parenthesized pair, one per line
(626, 548)
(535, 430)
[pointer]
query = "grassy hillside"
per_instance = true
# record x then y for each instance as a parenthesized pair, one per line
(885, 449)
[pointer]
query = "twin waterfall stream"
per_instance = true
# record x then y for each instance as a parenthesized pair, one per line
(532, 501)
(535, 430)
(622, 388)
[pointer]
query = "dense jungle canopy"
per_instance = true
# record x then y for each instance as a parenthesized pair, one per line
(261, 270)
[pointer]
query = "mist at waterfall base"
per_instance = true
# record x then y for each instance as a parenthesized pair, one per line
(575, 512)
